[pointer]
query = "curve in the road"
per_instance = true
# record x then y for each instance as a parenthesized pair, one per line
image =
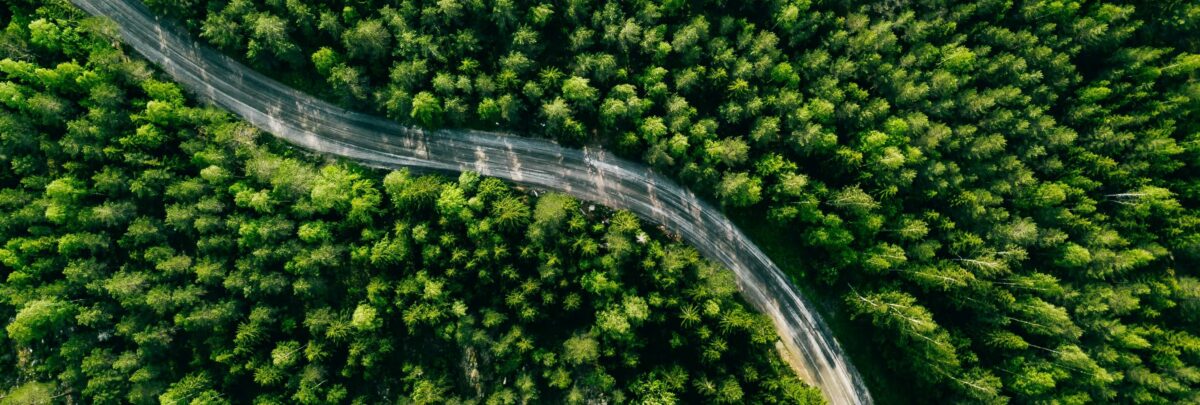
(588, 174)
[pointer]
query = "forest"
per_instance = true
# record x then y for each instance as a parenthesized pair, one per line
(154, 250)
(1003, 195)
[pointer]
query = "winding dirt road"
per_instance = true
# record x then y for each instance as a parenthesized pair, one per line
(588, 174)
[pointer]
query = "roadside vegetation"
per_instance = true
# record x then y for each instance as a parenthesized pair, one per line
(1002, 194)
(153, 250)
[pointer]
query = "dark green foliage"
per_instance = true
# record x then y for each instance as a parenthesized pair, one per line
(153, 251)
(1006, 191)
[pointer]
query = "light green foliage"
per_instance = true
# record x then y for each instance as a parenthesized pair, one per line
(580, 350)
(452, 204)
(269, 36)
(576, 89)
(551, 214)
(365, 317)
(192, 389)
(324, 60)
(39, 319)
(367, 39)
(511, 213)
(332, 189)
(427, 110)
(739, 189)
(45, 34)
(30, 393)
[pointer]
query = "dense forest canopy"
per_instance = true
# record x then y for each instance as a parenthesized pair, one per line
(1003, 193)
(152, 250)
